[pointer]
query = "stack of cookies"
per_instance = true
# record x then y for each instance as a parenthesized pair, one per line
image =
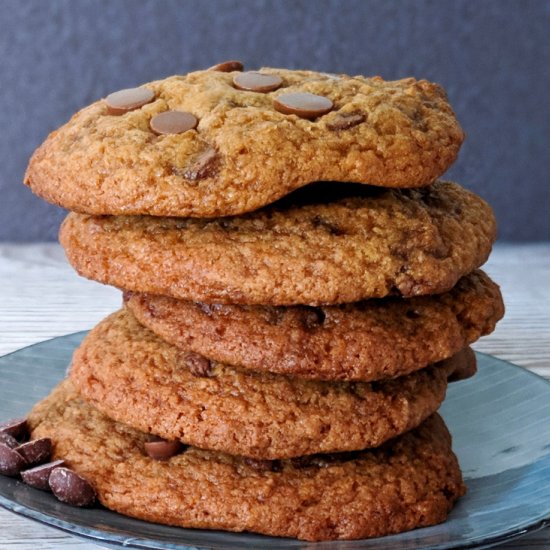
(299, 289)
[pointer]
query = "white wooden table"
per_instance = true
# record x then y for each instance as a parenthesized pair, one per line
(41, 297)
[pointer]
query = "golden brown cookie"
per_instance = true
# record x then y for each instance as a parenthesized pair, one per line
(134, 377)
(411, 482)
(360, 341)
(321, 245)
(241, 143)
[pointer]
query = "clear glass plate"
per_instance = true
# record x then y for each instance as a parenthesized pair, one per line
(500, 421)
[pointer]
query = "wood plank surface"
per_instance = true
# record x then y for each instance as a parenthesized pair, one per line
(41, 297)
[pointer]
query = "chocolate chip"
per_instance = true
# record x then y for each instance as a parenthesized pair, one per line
(312, 317)
(344, 122)
(257, 82)
(263, 465)
(11, 462)
(17, 427)
(128, 100)
(71, 488)
(39, 476)
(173, 122)
(412, 314)
(9, 440)
(228, 66)
(303, 104)
(197, 364)
(161, 449)
(36, 451)
(203, 165)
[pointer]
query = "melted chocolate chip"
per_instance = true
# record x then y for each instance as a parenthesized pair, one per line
(11, 462)
(36, 451)
(16, 427)
(161, 449)
(344, 122)
(312, 317)
(412, 314)
(203, 166)
(39, 476)
(71, 488)
(198, 364)
(228, 66)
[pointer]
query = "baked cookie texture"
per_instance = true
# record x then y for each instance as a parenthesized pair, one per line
(134, 377)
(366, 340)
(321, 245)
(411, 482)
(244, 154)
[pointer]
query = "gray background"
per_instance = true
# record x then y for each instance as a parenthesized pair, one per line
(492, 56)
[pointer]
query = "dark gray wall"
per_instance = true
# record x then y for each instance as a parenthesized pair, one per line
(493, 57)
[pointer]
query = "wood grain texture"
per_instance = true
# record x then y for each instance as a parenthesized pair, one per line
(41, 297)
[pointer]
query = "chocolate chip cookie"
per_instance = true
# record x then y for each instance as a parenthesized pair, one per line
(321, 245)
(215, 143)
(134, 377)
(410, 482)
(365, 340)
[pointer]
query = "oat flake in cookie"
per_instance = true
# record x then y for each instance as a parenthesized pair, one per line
(412, 482)
(264, 133)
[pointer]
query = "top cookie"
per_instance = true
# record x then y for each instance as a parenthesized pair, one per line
(245, 141)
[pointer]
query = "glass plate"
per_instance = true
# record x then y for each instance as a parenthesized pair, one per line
(500, 421)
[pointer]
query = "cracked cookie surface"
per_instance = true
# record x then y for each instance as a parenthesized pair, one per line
(366, 340)
(321, 245)
(243, 153)
(410, 482)
(131, 375)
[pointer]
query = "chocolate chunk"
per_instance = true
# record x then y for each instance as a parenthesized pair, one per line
(128, 100)
(257, 82)
(228, 66)
(344, 122)
(203, 166)
(161, 449)
(11, 462)
(173, 122)
(39, 476)
(9, 440)
(36, 451)
(16, 427)
(303, 104)
(412, 314)
(198, 364)
(312, 317)
(263, 465)
(71, 488)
